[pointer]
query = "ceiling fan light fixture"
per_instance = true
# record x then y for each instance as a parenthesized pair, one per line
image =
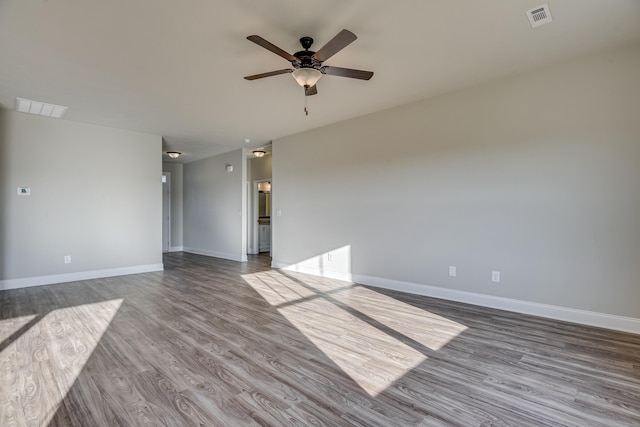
(259, 153)
(173, 154)
(306, 77)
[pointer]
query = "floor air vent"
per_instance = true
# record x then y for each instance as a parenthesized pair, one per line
(539, 15)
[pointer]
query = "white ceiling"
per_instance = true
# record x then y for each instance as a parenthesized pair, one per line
(175, 68)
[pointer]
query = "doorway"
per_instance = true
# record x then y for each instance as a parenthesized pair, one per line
(261, 216)
(258, 202)
(166, 211)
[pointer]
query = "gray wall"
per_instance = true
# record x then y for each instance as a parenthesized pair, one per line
(537, 176)
(215, 206)
(95, 195)
(176, 170)
(259, 168)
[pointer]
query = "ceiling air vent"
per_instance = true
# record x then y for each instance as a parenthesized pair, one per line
(539, 15)
(40, 108)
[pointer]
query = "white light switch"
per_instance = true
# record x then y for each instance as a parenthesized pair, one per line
(452, 271)
(67, 259)
(278, 212)
(495, 276)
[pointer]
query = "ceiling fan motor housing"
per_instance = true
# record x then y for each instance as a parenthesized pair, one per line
(306, 60)
(305, 57)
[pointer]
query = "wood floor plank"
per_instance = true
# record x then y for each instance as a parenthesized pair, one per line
(211, 342)
(86, 405)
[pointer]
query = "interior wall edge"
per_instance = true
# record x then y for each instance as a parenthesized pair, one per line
(566, 314)
(330, 274)
(215, 254)
(27, 282)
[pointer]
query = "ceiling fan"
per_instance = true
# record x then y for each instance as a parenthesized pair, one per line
(307, 64)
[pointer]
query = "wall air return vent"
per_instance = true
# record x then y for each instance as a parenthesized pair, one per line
(539, 15)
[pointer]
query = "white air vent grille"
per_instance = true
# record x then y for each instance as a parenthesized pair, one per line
(40, 108)
(539, 15)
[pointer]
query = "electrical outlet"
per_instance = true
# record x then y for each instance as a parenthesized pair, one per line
(495, 276)
(452, 271)
(67, 259)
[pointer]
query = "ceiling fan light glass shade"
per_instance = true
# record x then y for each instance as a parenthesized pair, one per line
(259, 153)
(306, 77)
(173, 154)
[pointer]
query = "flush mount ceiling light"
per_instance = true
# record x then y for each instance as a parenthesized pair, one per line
(173, 154)
(264, 187)
(259, 153)
(40, 108)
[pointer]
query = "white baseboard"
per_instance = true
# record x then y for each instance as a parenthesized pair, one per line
(313, 271)
(232, 257)
(176, 249)
(584, 317)
(74, 277)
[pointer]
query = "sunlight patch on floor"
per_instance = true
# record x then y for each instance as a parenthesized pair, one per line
(370, 356)
(9, 327)
(276, 288)
(426, 328)
(335, 263)
(33, 384)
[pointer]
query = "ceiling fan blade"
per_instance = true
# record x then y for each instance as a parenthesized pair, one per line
(313, 90)
(269, 74)
(273, 48)
(347, 72)
(335, 45)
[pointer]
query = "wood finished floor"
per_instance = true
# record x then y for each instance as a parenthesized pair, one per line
(210, 342)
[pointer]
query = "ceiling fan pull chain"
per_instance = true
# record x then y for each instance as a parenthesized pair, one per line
(306, 110)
